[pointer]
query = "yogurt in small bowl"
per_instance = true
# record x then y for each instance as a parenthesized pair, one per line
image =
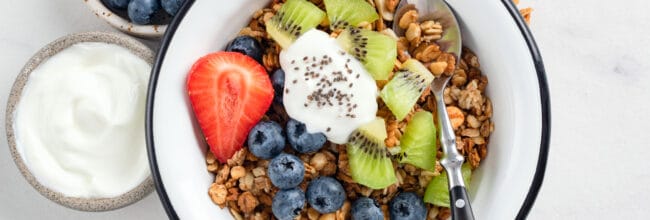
(75, 121)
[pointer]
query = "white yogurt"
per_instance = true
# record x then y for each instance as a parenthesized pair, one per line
(80, 121)
(354, 92)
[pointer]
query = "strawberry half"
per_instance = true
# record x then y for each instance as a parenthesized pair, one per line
(230, 92)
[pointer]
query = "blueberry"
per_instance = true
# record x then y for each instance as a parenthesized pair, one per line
(301, 140)
(248, 46)
(286, 171)
(365, 208)
(288, 203)
(407, 206)
(119, 4)
(277, 80)
(325, 194)
(141, 11)
(265, 140)
(171, 6)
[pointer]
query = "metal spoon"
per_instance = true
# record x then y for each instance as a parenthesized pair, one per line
(450, 42)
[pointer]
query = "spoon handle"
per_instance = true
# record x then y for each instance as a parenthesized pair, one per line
(452, 160)
(460, 207)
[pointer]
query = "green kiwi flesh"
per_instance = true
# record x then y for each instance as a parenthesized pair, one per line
(437, 191)
(294, 18)
(376, 51)
(368, 158)
(402, 92)
(344, 13)
(418, 144)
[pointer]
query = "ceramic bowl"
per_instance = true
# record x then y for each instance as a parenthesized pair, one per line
(503, 187)
(83, 204)
(122, 23)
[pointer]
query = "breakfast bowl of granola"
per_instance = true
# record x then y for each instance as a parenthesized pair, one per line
(316, 109)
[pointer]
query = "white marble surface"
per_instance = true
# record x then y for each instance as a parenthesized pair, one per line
(25, 27)
(597, 58)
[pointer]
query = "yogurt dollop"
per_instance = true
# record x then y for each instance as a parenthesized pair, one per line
(326, 88)
(80, 121)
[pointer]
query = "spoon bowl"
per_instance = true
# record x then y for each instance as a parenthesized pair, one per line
(436, 10)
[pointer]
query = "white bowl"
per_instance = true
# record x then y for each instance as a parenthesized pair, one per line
(79, 203)
(504, 187)
(124, 25)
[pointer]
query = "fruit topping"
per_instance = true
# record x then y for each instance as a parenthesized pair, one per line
(301, 140)
(277, 80)
(437, 191)
(248, 46)
(288, 203)
(365, 208)
(418, 144)
(344, 13)
(405, 88)
(326, 88)
(286, 171)
(370, 164)
(294, 18)
(325, 194)
(376, 51)
(266, 140)
(229, 92)
(121, 4)
(407, 206)
(171, 6)
(141, 11)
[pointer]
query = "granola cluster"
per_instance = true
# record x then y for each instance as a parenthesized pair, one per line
(525, 12)
(243, 186)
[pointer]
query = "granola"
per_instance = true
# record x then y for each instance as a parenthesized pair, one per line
(242, 184)
(525, 12)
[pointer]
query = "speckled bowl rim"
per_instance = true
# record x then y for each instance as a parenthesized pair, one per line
(82, 204)
(146, 31)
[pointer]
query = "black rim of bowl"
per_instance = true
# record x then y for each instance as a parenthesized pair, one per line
(538, 177)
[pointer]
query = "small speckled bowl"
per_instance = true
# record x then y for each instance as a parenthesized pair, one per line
(83, 204)
(124, 25)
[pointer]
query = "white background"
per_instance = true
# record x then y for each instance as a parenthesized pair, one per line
(597, 56)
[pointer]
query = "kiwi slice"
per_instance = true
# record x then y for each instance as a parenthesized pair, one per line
(368, 157)
(344, 13)
(437, 191)
(376, 51)
(404, 90)
(418, 144)
(294, 18)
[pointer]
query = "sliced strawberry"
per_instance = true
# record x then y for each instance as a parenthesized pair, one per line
(230, 92)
